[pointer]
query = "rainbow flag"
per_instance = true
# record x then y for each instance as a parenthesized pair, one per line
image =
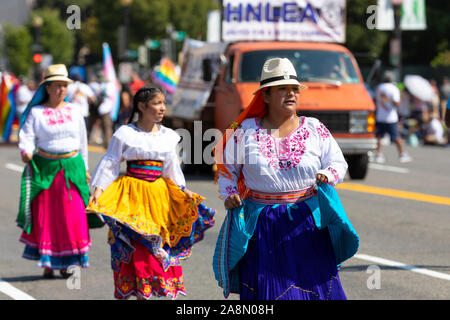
(166, 76)
(110, 75)
(8, 88)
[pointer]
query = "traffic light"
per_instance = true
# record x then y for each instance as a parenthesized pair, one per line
(37, 58)
(37, 54)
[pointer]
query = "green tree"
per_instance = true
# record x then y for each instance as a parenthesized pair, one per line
(17, 45)
(182, 13)
(55, 36)
(359, 38)
(422, 46)
(148, 19)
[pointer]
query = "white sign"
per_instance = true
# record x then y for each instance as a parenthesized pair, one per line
(412, 16)
(213, 26)
(193, 91)
(283, 20)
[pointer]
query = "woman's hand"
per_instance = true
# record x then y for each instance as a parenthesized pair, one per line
(189, 193)
(233, 201)
(88, 177)
(26, 157)
(97, 193)
(321, 178)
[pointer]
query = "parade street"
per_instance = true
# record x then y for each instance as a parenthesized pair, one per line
(400, 211)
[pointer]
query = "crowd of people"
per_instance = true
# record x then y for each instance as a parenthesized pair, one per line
(401, 115)
(93, 98)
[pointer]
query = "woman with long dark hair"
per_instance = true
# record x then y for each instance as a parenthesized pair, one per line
(154, 220)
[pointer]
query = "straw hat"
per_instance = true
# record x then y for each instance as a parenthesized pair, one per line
(278, 71)
(56, 72)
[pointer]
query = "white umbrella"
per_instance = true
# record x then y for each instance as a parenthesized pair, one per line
(419, 87)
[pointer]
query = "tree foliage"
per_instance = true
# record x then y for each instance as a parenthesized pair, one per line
(17, 45)
(359, 38)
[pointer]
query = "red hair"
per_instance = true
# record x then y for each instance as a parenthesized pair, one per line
(256, 109)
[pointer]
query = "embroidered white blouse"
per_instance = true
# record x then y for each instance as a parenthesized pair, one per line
(274, 165)
(131, 143)
(54, 130)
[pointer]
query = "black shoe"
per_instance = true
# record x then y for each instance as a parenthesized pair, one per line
(48, 274)
(64, 273)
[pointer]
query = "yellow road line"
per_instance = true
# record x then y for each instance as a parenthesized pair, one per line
(96, 149)
(394, 193)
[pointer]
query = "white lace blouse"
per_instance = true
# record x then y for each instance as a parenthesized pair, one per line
(130, 143)
(274, 165)
(54, 130)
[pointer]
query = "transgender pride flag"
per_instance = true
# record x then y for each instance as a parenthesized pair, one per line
(110, 75)
(166, 75)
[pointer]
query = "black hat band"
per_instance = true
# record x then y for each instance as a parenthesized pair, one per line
(263, 82)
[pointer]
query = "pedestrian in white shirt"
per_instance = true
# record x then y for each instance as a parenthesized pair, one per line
(23, 96)
(387, 98)
(102, 110)
(81, 95)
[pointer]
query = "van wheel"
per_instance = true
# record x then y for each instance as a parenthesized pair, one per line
(357, 166)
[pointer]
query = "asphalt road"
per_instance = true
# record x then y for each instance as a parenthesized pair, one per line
(404, 236)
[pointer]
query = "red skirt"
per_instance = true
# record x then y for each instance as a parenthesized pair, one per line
(144, 276)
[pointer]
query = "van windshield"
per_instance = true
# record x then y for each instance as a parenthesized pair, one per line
(311, 65)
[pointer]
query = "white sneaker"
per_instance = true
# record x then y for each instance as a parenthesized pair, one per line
(380, 158)
(404, 158)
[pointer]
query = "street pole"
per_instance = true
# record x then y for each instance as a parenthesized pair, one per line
(397, 38)
(37, 23)
(126, 25)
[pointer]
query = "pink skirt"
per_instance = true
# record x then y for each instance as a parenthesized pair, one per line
(60, 234)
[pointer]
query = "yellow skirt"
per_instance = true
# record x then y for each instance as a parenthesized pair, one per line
(149, 208)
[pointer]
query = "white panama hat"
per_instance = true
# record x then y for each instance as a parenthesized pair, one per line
(56, 72)
(278, 71)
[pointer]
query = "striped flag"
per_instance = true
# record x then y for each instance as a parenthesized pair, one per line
(166, 75)
(110, 75)
(8, 88)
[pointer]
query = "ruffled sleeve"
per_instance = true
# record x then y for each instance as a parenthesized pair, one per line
(27, 137)
(233, 161)
(83, 140)
(108, 169)
(333, 164)
(171, 166)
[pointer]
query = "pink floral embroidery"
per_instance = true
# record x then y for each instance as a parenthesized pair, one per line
(334, 173)
(231, 190)
(323, 131)
(238, 134)
(58, 116)
(285, 153)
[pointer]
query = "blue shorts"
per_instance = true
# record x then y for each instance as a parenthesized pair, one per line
(389, 128)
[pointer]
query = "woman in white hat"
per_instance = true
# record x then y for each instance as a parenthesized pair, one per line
(54, 190)
(283, 232)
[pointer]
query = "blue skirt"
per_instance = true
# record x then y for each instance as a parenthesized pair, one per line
(289, 258)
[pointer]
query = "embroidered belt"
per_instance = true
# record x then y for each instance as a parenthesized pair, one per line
(52, 155)
(282, 197)
(148, 170)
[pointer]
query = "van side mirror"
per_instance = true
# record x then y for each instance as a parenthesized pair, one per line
(223, 60)
(207, 69)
